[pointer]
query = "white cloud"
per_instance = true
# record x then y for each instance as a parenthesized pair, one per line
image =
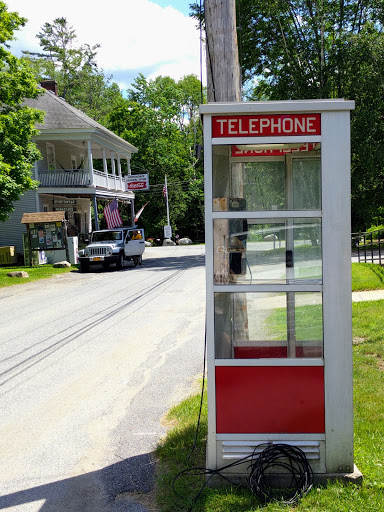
(135, 35)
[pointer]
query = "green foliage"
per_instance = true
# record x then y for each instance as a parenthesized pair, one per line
(74, 68)
(160, 117)
(372, 229)
(17, 152)
(365, 72)
(323, 49)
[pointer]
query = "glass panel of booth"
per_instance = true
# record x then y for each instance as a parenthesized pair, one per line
(274, 325)
(260, 177)
(253, 251)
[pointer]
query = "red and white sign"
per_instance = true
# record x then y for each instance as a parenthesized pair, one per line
(241, 152)
(137, 182)
(266, 125)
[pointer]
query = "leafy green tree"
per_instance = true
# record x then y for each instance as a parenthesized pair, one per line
(323, 49)
(160, 117)
(57, 41)
(17, 152)
(366, 65)
(80, 82)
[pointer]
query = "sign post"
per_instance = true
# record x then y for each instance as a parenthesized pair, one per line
(167, 228)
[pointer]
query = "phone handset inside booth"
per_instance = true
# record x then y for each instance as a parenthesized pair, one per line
(237, 248)
(230, 236)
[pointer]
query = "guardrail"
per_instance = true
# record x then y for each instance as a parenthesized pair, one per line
(369, 246)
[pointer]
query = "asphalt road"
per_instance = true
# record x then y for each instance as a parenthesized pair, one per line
(89, 365)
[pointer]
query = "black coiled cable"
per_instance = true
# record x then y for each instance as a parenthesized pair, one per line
(280, 458)
(286, 459)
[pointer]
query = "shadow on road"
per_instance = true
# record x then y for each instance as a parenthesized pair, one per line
(180, 262)
(164, 263)
(111, 489)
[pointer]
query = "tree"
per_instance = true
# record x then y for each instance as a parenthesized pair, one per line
(161, 118)
(366, 63)
(17, 152)
(322, 49)
(80, 82)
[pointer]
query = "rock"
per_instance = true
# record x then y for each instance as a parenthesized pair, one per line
(18, 273)
(185, 241)
(61, 264)
(168, 241)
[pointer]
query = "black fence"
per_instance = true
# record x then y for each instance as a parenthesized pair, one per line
(369, 246)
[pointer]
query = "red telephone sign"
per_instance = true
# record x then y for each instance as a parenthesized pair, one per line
(266, 125)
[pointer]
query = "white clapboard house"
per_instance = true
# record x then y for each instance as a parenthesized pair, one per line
(70, 143)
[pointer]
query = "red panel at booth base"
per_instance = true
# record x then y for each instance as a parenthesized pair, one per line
(270, 399)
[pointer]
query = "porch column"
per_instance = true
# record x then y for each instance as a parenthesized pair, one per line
(132, 211)
(113, 169)
(129, 164)
(36, 176)
(119, 171)
(90, 163)
(105, 167)
(95, 213)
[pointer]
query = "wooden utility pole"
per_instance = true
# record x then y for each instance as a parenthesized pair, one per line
(224, 85)
(223, 69)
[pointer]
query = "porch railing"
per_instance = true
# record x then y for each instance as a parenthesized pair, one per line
(80, 178)
(369, 246)
(110, 181)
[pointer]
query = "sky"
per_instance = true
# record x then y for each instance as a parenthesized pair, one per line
(152, 37)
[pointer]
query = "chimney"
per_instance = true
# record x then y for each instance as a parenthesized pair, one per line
(49, 85)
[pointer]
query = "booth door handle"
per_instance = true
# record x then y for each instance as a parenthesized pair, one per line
(289, 259)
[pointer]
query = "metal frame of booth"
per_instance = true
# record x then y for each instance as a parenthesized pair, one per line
(252, 399)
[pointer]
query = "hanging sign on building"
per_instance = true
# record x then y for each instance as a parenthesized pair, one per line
(266, 125)
(137, 182)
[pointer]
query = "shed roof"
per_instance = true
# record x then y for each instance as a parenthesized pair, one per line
(30, 218)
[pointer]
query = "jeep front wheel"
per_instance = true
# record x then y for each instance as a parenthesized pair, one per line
(120, 262)
(84, 266)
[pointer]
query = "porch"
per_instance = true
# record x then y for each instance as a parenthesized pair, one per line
(81, 178)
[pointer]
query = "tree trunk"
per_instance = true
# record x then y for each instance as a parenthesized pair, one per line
(223, 69)
(224, 85)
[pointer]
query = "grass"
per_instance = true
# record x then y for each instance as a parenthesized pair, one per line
(368, 354)
(35, 273)
(367, 276)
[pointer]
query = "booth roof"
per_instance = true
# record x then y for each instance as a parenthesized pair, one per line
(30, 218)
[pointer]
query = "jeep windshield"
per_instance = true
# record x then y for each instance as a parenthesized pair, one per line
(107, 236)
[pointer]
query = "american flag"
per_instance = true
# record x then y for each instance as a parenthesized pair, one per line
(112, 215)
(164, 191)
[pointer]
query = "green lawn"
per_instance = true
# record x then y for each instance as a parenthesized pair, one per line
(368, 353)
(367, 276)
(35, 273)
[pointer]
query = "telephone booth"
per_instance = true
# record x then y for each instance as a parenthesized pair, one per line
(278, 269)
